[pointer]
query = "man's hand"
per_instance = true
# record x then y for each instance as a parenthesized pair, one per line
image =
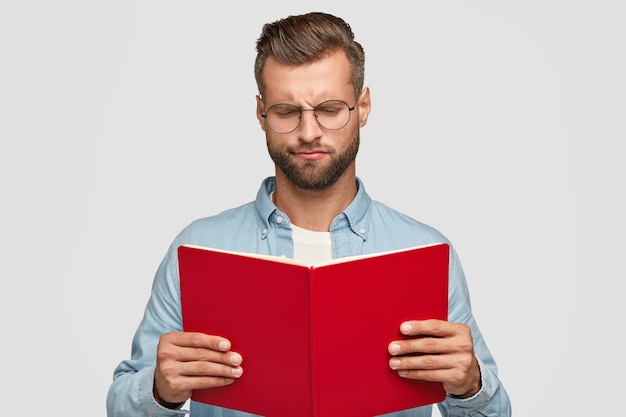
(437, 350)
(187, 361)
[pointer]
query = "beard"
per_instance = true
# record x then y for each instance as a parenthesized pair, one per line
(314, 175)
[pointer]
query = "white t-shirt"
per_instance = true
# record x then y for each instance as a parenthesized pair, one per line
(311, 247)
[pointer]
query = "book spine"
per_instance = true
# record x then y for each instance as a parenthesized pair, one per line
(313, 354)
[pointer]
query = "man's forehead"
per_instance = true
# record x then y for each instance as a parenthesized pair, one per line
(331, 73)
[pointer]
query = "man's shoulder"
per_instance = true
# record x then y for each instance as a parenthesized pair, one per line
(220, 225)
(234, 214)
(384, 216)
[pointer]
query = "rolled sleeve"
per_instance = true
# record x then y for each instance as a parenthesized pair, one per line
(490, 400)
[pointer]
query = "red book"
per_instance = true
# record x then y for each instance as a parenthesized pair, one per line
(314, 338)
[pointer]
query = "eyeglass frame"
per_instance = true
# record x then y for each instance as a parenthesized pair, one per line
(350, 109)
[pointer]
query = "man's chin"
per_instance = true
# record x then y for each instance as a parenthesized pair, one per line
(313, 181)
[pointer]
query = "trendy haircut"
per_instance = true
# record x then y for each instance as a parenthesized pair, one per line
(306, 38)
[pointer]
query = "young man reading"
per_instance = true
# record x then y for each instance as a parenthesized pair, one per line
(311, 106)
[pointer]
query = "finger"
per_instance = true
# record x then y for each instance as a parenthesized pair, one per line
(425, 362)
(420, 345)
(185, 346)
(191, 383)
(427, 368)
(457, 380)
(178, 388)
(432, 327)
(209, 369)
(208, 355)
(424, 375)
(188, 354)
(197, 340)
(197, 382)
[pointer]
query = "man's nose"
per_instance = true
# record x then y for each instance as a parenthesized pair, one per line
(309, 127)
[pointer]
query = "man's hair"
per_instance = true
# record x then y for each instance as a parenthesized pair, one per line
(306, 38)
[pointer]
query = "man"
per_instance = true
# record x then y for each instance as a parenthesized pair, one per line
(311, 106)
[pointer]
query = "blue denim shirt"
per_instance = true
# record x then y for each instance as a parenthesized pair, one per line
(365, 226)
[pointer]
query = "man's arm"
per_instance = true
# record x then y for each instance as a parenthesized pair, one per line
(454, 353)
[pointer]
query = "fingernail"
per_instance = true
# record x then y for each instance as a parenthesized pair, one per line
(406, 328)
(235, 359)
(403, 372)
(237, 371)
(395, 363)
(394, 348)
(224, 345)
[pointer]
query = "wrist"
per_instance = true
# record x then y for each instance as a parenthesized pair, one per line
(161, 401)
(467, 394)
(474, 388)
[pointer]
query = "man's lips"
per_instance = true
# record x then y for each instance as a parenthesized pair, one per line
(312, 155)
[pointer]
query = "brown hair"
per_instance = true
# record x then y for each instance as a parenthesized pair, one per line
(305, 38)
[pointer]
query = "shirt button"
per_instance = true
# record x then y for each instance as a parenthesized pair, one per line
(279, 219)
(264, 231)
(362, 231)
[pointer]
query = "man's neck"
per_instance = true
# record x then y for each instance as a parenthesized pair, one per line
(314, 209)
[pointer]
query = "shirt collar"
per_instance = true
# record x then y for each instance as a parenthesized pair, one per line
(355, 216)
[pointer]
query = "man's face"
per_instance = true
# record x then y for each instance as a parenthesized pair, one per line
(312, 157)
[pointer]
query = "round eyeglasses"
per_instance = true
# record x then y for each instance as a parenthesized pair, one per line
(285, 118)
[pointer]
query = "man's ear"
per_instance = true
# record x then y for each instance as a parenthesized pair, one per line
(259, 111)
(365, 105)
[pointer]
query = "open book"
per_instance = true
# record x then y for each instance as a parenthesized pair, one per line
(314, 338)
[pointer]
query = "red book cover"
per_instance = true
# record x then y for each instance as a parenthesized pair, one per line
(314, 338)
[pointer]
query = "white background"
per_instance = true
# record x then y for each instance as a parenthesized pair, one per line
(499, 123)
